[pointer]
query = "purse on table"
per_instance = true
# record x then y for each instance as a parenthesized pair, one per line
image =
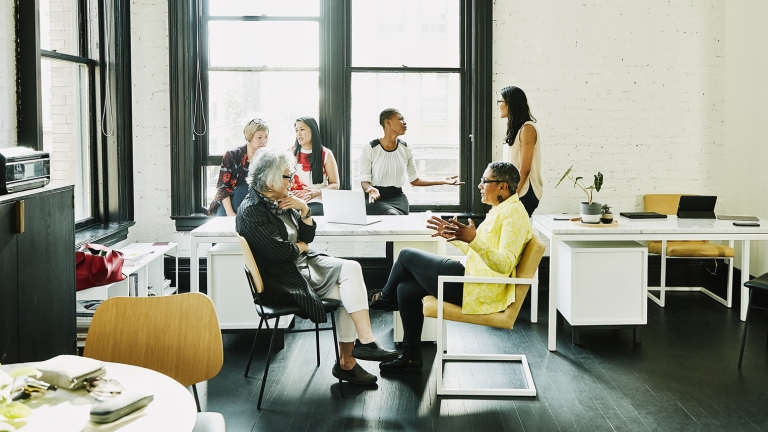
(69, 371)
(97, 265)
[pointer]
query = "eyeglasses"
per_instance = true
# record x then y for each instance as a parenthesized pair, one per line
(256, 120)
(289, 177)
(499, 102)
(100, 387)
(484, 180)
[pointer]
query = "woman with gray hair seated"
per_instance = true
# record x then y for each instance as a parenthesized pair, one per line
(279, 227)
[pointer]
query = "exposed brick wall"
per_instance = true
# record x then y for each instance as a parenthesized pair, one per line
(631, 89)
(7, 75)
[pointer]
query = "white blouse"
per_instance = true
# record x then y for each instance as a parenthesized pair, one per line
(380, 167)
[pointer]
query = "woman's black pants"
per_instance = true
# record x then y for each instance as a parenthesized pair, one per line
(413, 277)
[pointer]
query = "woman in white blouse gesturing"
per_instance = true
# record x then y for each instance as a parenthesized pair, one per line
(384, 165)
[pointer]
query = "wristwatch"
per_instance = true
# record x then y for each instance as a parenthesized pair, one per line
(308, 215)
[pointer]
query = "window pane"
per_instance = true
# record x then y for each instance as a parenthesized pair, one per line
(263, 44)
(431, 104)
(414, 33)
(264, 7)
(277, 97)
(64, 87)
(59, 26)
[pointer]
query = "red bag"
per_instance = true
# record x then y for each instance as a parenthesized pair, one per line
(97, 265)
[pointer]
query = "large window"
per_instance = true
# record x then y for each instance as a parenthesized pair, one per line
(342, 62)
(66, 84)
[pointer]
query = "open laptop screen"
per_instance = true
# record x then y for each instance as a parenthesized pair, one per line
(696, 207)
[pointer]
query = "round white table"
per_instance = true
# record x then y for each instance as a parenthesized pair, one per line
(173, 408)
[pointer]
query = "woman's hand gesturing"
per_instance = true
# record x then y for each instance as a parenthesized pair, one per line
(453, 180)
(373, 194)
(304, 194)
(438, 224)
(293, 202)
(456, 230)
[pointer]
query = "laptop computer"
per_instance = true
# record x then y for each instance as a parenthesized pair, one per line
(643, 215)
(346, 207)
(696, 207)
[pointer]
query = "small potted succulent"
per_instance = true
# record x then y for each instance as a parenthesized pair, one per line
(590, 211)
(606, 216)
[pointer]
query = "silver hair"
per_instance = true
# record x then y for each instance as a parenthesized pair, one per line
(267, 167)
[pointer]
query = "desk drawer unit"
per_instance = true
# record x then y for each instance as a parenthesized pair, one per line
(602, 283)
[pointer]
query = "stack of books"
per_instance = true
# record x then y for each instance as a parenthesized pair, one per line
(84, 314)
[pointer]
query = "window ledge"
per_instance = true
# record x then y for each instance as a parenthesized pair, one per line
(190, 222)
(103, 234)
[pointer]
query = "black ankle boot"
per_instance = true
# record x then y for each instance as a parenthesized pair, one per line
(405, 363)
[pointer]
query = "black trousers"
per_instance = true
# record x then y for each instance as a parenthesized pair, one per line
(413, 277)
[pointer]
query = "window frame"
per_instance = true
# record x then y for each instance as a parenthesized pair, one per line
(110, 162)
(190, 153)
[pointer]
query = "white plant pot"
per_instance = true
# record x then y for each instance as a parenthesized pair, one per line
(590, 213)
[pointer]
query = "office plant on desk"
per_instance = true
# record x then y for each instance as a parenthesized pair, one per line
(589, 210)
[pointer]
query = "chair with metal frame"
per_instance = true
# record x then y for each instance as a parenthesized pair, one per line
(267, 312)
(526, 277)
(692, 249)
(176, 335)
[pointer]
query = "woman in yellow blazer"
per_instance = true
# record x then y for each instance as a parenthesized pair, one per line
(493, 249)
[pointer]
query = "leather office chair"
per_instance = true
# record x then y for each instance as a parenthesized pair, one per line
(176, 335)
(527, 276)
(276, 312)
(667, 204)
(760, 283)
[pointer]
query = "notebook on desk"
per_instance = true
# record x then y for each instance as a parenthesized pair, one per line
(346, 207)
(696, 207)
(738, 218)
(643, 215)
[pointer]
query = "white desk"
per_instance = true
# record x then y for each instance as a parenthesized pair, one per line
(173, 408)
(670, 228)
(403, 231)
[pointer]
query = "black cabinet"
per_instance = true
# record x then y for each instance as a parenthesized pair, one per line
(37, 275)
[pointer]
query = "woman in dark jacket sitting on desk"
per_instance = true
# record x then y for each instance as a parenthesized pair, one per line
(279, 227)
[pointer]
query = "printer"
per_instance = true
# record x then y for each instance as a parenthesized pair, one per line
(22, 168)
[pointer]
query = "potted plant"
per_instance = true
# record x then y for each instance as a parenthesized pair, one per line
(590, 211)
(606, 216)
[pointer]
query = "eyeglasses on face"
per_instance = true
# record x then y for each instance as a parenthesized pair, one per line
(484, 180)
(499, 102)
(289, 177)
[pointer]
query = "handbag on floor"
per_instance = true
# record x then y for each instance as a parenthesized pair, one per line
(97, 265)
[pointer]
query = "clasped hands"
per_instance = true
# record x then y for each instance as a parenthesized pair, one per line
(306, 194)
(453, 229)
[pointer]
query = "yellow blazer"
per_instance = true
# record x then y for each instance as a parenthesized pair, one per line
(495, 252)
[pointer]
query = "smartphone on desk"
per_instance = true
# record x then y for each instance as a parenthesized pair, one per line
(746, 224)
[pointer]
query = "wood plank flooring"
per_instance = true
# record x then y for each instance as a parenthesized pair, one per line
(683, 377)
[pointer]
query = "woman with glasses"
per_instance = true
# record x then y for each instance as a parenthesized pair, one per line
(231, 187)
(279, 227)
(384, 165)
(521, 145)
(493, 249)
(316, 167)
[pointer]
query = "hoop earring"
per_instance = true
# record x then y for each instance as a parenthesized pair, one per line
(500, 198)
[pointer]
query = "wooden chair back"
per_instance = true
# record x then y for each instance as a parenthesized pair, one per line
(662, 203)
(176, 335)
(250, 264)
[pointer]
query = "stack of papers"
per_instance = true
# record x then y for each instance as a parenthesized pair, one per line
(133, 258)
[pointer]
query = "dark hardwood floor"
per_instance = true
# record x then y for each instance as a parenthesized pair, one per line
(682, 377)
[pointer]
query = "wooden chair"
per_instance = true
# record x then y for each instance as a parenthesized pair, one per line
(276, 312)
(667, 204)
(527, 276)
(175, 335)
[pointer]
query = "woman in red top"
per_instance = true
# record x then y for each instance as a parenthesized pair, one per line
(315, 168)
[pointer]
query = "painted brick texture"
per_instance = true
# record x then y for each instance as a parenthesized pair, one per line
(7, 75)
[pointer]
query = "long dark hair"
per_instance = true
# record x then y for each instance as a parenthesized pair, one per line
(316, 158)
(517, 111)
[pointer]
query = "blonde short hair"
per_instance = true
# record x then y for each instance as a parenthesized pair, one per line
(254, 126)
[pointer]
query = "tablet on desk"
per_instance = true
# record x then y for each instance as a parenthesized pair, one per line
(643, 215)
(738, 218)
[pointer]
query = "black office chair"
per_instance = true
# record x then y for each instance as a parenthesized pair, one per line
(757, 283)
(276, 312)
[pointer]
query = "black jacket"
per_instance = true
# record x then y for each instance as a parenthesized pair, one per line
(275, 255)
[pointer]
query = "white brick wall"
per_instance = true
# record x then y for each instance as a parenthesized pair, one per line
(7, 75)
(631, 89)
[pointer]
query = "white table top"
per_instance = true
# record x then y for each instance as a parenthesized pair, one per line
(412, 224)
(670, 225)
(173, 408)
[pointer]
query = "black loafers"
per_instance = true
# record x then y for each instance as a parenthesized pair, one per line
(372, 352)
(357, 375)
(402, 365)
(383, 304)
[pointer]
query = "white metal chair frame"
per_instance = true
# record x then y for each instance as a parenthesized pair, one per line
(661, 299)
(442, 342)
